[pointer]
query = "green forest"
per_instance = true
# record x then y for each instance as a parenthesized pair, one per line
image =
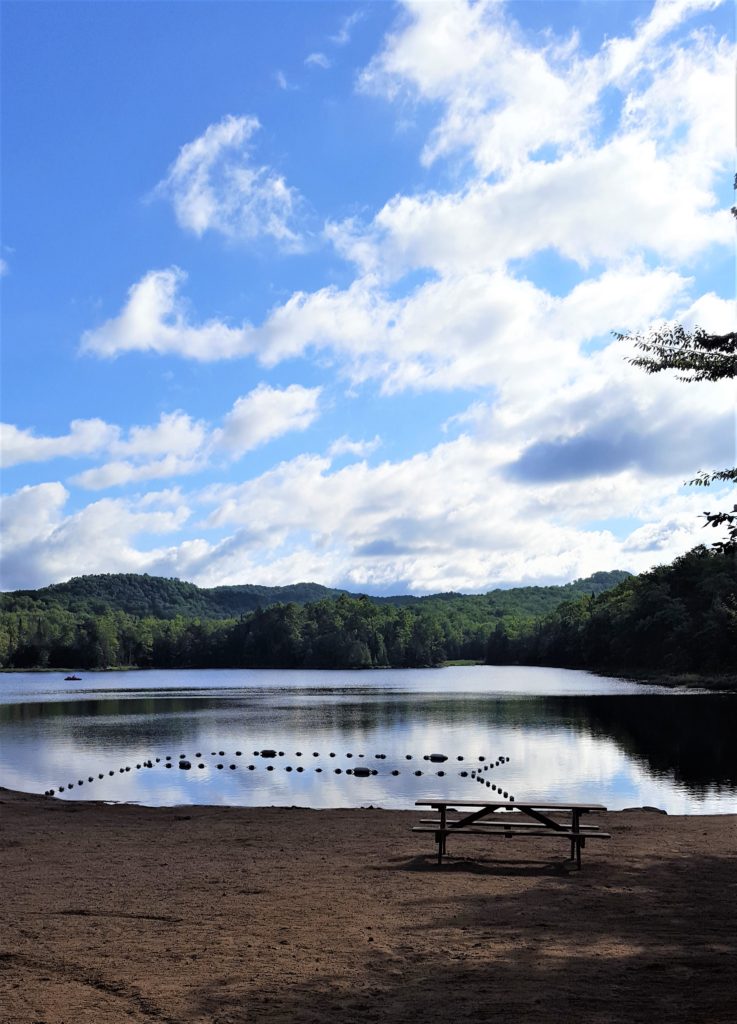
(678, 618)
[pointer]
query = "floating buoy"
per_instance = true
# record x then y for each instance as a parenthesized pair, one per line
(395, 772)
(121, 770)
(198, 754)
(418, 772)
(349, 755)
(298, 754)
(318, 769)
(269, 767)
(505, 794)
(288, 768)
(425, 757)
(61, 789)
(488, 784)
(251, 767)
(408, 757)
(361, 755)
(158, 759)
(374, 771)
(51, 792)
(361, 773)
(460, 757)
(80, 782)
(232, 767)
(200, 765)
(281, 753)
(127, 769)
(315, 753)
(268, 753)
(219, 766)
(438, 758)
(441, 773)
(182, 757)
(464, 775)
(300, 769)
(482, 758)
(337, 771)
(221, 753)
(237, 753)
(168, 757)
(167, 765)
(213, 753)
(91, 778)
(493, 787)
(332, 754)
(111, 773)
(185, 766)
(101, 776)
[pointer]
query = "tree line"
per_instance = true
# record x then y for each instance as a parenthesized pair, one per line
(677, 618)
(680, 618)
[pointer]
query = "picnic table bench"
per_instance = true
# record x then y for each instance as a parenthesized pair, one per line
(519, 819)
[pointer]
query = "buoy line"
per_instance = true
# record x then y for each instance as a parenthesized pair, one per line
(268, 753)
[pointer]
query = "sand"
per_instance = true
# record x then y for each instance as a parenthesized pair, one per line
(124, 913)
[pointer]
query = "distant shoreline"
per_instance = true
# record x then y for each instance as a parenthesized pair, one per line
(722, 683)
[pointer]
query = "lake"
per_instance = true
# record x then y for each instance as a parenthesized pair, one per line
(542, 732)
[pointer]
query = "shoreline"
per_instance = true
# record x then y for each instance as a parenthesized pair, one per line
(228, 915)
(718, 683)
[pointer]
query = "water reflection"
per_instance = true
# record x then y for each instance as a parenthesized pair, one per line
(568, 735)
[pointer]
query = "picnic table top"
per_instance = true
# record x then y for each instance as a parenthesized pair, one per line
(539, 805)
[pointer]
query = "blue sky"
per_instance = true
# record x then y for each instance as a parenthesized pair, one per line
(325, 291)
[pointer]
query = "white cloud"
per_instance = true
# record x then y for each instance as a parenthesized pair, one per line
(43, 545)
(503, 99)
(360, 449)
(215, 186)
(4, 267)
(318, 60)
(175, 446)
(343, 35)
(155, 319)
(85, 437)
(266, 413)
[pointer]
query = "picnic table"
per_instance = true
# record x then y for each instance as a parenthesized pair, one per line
(519, 819)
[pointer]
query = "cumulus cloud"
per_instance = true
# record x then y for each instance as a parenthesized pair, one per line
(85, 437)
(177, 445)
(266, 413)
(43, 543)
(156, 319)
(214, 185)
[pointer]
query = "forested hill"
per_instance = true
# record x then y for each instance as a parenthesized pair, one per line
(161, 598)
(127, 620)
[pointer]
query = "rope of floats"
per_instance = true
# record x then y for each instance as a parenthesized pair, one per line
(183, 763)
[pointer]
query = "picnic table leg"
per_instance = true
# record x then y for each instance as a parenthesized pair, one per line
(576, 816)
(441, 835)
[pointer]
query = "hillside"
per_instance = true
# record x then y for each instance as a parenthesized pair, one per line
(162, 598)
(124, 620)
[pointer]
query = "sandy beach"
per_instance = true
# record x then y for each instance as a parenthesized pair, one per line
(228, 916)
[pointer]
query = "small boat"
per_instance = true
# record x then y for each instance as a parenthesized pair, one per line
(72, 679)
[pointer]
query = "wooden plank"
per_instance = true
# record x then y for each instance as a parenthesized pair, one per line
(515, 805)
(544, 832)
(494, 825)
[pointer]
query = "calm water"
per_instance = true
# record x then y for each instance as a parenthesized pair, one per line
(566, 735)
